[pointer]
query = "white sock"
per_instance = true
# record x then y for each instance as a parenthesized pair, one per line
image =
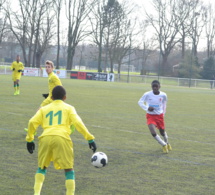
(165, 137)
(160, 141)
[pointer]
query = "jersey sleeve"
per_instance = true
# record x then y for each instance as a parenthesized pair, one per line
(33, 124)
(164, 104)
(12, 66)
(79, 125)
(22, 66)
(142, 101)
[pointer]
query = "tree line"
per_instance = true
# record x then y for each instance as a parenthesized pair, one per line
(116, 30)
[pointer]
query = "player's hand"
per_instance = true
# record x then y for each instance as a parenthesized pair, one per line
(30, 147)
(19, 70)
(13, 69)
(45, 95)
(92, 145)
(150, 109)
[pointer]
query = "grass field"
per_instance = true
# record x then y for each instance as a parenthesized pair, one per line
(137, 165)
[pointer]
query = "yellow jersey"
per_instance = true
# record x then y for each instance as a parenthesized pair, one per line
(53, 81)
(56, 119)
(17, 66)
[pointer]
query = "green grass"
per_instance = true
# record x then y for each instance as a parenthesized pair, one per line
(110, 111)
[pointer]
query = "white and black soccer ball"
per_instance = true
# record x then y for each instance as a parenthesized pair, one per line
(99, 159)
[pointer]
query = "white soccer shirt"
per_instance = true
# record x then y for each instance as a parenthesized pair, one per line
(158, 102)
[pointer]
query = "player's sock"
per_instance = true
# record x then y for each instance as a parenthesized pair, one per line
(39, 179)
(70, 182)
(160, 141)
(165, 137)
(70, 187)
(15, 88)
(18, 88)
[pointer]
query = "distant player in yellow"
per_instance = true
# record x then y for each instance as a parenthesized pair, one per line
(17, 67)
(53, 81)
(55, 143)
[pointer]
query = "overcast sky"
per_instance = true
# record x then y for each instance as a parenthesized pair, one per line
(141, 5)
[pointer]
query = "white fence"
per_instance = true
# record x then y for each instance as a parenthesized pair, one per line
(173, 81)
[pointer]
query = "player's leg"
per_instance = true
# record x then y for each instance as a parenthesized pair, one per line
(165, 137)
(164, 134)
(152, 121)
(39, 179)
(152, 129)
(63, 158)
(15, 87)
(18, 91)
(44, 158)
(70, 181)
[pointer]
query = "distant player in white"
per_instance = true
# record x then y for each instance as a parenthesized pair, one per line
(154, 103)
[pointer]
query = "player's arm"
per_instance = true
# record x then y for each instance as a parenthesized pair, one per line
(164, 104)
(21, 68)
(12, 67)
(33, 124)
(142, 101)
(79, 125)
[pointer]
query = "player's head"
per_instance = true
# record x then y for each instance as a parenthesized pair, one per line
(58, 93)
(49, 66)
(155, 86)
(17, 58)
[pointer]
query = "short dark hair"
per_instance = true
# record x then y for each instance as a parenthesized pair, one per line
(155, 82)
(58, 92)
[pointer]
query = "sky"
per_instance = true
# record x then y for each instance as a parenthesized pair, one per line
(146, 4)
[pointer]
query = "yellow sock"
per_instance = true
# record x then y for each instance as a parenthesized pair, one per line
(39, 179)
(70, 187)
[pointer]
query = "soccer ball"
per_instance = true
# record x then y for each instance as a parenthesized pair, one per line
(99, 159)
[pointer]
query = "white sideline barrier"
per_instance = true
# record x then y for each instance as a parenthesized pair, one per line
(146, 79)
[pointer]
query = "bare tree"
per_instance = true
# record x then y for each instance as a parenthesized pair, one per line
(113, 17)
(146, 48)
(210, 29)
(119, 40)
(96, 19)
(58, 7)
(43, 30)
(197, 24)
(19, 24)
(26, 23)
(167, 25)
(78, 28)
(184, 12)
(45, 36)
(3, 19)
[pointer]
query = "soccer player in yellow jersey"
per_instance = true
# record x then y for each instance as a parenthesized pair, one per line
(17, 67)
(55, 143)
(53, 81)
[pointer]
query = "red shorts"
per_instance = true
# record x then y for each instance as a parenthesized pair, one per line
(157, 120)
